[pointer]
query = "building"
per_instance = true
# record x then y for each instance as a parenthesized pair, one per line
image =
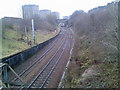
(56, 14)
(66, 17)
(11, 21)
(62, 22)
(29, 11)
(44, 13)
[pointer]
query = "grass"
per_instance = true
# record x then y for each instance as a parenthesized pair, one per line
(85, 55)
(13, 42)
(109, 74)
(10, 45)
(0, 38)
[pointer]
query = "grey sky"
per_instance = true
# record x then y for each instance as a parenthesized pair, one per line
(12, 8)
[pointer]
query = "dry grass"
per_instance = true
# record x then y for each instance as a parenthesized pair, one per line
(13, 41)
(91, 56)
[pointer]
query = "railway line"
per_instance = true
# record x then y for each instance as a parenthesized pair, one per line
(41, 70)
(37, 61)
(44, 74)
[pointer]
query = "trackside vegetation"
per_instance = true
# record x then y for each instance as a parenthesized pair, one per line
(94, 63)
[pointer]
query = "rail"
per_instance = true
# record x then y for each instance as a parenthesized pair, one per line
(30, 85)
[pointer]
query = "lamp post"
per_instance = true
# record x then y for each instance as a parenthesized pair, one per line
(33, 31)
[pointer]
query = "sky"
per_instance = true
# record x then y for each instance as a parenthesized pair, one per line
(12, 8)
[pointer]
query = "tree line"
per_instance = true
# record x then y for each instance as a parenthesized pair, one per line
(99, 24)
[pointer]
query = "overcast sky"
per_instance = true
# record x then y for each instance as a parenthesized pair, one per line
(12, 8)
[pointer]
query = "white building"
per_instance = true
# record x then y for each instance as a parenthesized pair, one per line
(30, 11)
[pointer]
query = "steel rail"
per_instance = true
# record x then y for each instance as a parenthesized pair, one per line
(37, 60)
(45, 66)
(53, 68)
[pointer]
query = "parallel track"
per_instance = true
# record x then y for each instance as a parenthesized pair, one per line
(43, 76)
(43, 67)
(36, 61)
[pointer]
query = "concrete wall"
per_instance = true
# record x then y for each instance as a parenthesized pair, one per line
(18, 58)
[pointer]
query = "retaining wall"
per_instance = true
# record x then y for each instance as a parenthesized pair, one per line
(20, 57)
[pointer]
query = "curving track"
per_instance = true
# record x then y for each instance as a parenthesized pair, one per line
(46, 67)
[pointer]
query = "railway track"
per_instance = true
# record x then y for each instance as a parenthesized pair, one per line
(57, 76)
(42, 69)
(43, 76)
(31, 67)
(37, 61)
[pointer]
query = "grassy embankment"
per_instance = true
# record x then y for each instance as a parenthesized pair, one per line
(13, 42)
(95, 56)
(90, 67)
(0, 38)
